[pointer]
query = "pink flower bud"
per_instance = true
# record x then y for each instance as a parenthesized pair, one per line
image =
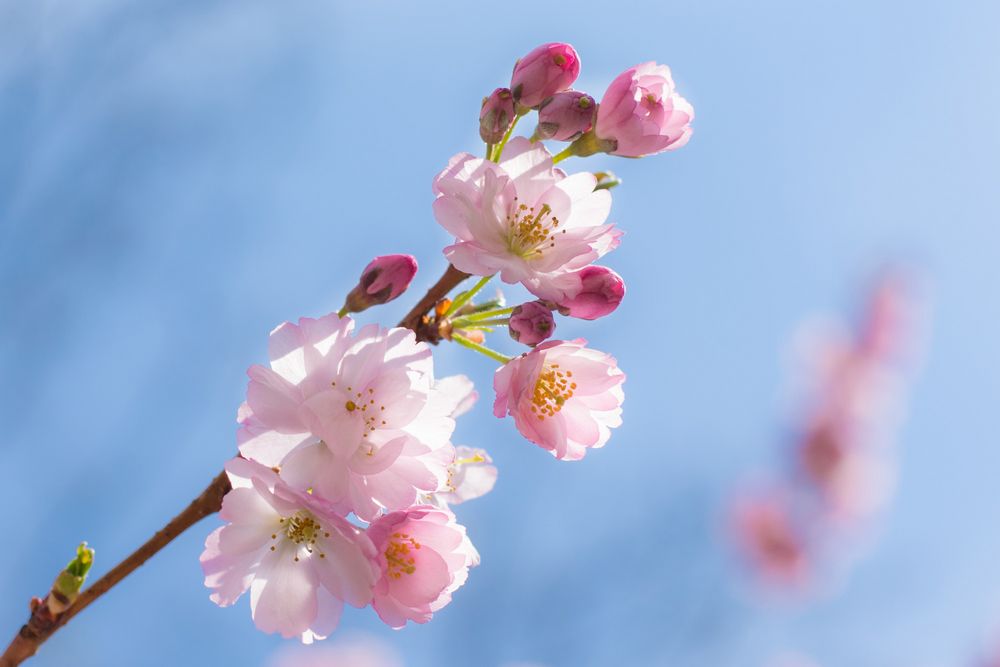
(642, 114)
(384, 279)
(496, 115)
(531, 323)
(542, 73)
(600, 292)
(565, 116)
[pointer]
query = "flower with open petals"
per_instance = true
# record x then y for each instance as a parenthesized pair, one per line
(358, 418)
(425, 556)
(642, 114)
(299, 558)
(564, 397)
(471, 474)
(522, 218)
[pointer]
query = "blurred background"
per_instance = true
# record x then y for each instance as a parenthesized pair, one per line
(176, 178)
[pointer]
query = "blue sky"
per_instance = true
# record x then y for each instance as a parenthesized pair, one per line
(178, 178)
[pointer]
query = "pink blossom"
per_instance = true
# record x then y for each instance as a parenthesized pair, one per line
(496, 115)
(563, 396)
(359, 418)
(299, 558)
(522, 217)
(765, 531)
(545, 71)
(595, 292)
(565, 116)
(531, 323)
(642, 114)
(384, 279)
(425, 556)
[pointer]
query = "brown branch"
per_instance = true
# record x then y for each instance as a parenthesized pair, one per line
(43, 622)
(416, 320)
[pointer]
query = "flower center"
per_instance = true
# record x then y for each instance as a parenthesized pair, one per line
(302, 529)
(400, 555)
(530, 232)
(363, 403)
(553, 388)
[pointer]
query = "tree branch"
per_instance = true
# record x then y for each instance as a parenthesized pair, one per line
(44, 622)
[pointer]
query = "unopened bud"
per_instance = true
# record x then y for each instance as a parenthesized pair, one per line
(66, 587)
(384, 279)
(601, 290)
(531, 323)
(496, 115)
(545, 71)
(565, 116)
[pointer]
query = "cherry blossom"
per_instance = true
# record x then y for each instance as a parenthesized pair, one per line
(300, 559)
(564, 397)
(358, 417)
(522, 217)
(425, 556)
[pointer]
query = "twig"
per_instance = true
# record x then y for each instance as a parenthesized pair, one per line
(43, 622)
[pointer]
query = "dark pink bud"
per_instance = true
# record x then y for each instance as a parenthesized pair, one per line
(601, 290)
(565, 116)
(531, 323)
(547, 70)
(384, 279)
(496, 115)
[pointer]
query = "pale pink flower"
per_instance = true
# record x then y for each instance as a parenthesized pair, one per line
(358, 418)
(522, 217)
(299, 558)
(425, 556)
(564, 397)
(642, 114)
(545, 71)
(384, 279)
(565, 116)
(766, 532)
(531, 323)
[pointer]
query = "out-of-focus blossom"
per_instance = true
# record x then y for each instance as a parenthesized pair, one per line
(564, 397)
(641, 114)
(384, 279)
(565, 116)
(531, 323)
(545, 71)
(765, 531)
(358, 418)
(522, 218)
(425, 556)
(496, 115)
(471, 474)
(299, 558)
(592, 292)
(353, 650)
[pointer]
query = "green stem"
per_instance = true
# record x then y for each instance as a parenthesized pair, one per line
(464, 297)
(481, 349)
(485, 315)
(478, 324)
(563, 154)
(343, 311)
(498, 151)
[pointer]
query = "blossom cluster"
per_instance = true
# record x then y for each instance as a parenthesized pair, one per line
(842, 461)
(347, 470)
